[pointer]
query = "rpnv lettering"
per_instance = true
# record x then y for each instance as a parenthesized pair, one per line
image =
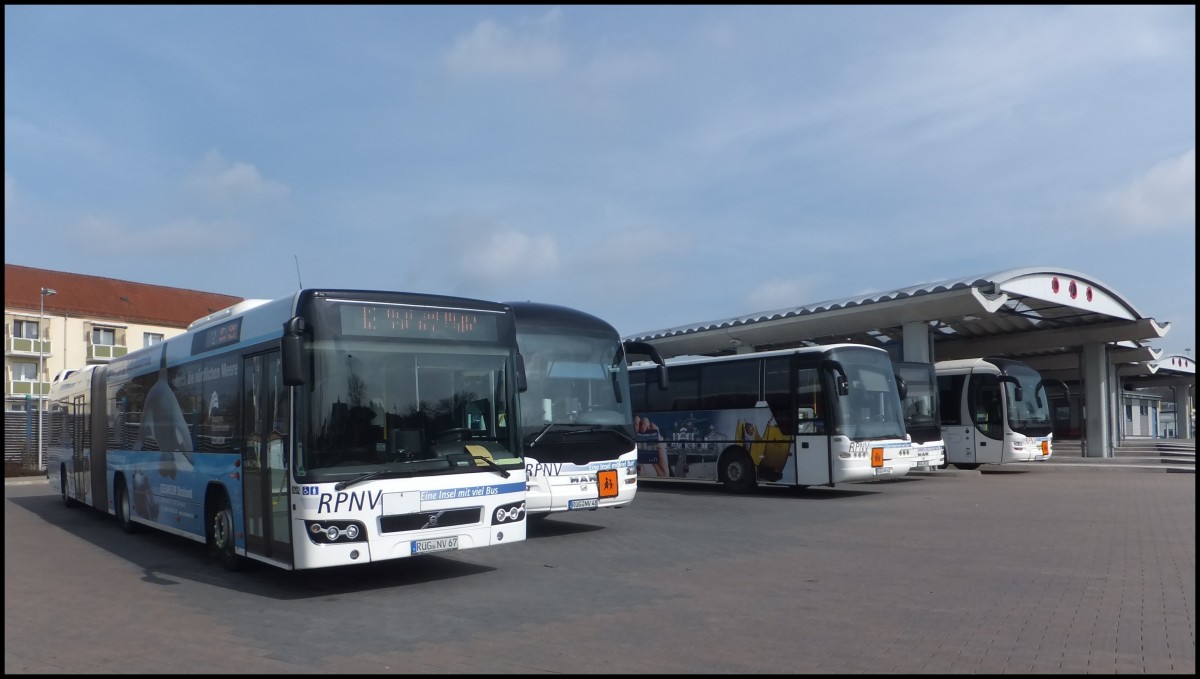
(350, 502)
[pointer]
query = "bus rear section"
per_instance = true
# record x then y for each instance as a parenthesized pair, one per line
(796, 417)
(994, 411)
(576, 424)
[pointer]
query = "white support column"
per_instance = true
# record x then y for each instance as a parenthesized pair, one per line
(1183, 411)
(914, 343)
(1094, 365)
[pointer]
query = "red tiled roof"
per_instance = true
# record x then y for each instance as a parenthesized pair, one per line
(108, 298)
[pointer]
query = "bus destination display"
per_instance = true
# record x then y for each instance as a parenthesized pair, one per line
(217, 336)
(417, 322)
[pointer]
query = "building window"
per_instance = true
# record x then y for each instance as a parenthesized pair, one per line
(24, 371)
(25, 329)
(151, 338)
(104, 336)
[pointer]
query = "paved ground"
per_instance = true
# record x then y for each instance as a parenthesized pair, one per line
(1056, 569)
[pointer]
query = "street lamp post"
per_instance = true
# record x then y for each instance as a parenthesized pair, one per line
(41, 360)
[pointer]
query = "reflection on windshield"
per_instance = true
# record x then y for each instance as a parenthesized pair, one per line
(375, 407)
(872, 408)
(1031, 414)
(576, 382)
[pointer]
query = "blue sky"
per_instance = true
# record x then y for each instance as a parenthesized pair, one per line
(655, 166)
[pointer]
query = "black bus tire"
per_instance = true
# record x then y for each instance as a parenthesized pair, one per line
(737, 471)
(122, 505)
(221, 532)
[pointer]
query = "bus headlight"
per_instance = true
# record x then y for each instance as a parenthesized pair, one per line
(508, 513)
(335, 532)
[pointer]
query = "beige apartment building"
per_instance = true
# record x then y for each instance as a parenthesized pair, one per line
(55, 321)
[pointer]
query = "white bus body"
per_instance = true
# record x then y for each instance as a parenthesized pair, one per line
(922, 418)
(331, 427)
(819, 415)
(576, 424)
(994, 411)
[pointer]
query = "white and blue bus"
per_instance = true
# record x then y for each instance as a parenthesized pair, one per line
(994, 411)
(326, 428)
(576, 422)
(819, 415)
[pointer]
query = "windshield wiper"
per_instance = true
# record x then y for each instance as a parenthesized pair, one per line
(342, 485)
(495, 467)
(540, 434)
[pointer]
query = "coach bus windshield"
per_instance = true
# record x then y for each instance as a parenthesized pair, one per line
(1031, 414)
(871, 409)
(578, 384)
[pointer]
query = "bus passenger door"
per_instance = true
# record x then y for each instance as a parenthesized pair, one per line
(80, 435)
(267, 408)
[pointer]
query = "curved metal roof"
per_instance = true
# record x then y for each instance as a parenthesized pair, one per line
(1016, 312)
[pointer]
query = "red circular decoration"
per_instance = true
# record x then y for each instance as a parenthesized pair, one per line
(1073, 290)
(1054, 285)
(1089, 293)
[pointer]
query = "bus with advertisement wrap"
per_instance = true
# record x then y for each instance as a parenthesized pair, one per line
(820, 415)
(326, 428)
(576, 422)
(994, 411)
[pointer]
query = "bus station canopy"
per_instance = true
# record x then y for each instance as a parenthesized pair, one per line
(1042, 316)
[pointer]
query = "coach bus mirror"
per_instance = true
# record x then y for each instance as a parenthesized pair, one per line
(843, 384)
(1041, 387)
(292, 348)
(1018, 392)
(522, 383)
(663, 384)
(901, 387)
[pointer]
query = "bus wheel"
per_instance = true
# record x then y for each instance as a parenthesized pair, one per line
(221, 536)
(737, 471)
(66, 497)
(123, 509)
(966, 465)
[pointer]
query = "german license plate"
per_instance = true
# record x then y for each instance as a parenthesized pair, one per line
(434, 545)
(879, 471)
(590, 503)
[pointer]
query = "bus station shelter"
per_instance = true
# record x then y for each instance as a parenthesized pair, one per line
(1067, 325)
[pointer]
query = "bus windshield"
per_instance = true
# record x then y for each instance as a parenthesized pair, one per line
(577, 386)
(406, 408)
(871, 409)
(1031, 414)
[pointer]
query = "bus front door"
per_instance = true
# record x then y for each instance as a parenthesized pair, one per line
(267, 408)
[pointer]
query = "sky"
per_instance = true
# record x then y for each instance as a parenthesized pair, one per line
(655, 166)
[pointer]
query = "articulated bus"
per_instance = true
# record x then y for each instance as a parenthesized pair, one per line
(994, 411)
(922, 417)
(326, 428)
(818, 415)
(576, 424)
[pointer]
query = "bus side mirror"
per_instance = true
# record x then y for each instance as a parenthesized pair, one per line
(292, 350)
(522, 383)
(663, 384)
(901, 387)
(840, 382)
(1018, 392)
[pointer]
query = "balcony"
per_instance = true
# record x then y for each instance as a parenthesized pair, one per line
(17, 388)
(23, 346)
(103, 353)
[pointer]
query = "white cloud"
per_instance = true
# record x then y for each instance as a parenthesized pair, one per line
(491, 49)
(1163, 198)
(218, 180)
(112, 237)
(508, 254)
(780, 293)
